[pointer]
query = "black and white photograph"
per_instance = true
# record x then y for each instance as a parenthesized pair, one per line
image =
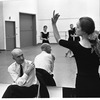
(49, 49)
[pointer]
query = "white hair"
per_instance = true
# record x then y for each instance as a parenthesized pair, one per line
(16, 51)
(44, 46)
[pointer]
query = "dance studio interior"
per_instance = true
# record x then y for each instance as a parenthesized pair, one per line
(21, 22)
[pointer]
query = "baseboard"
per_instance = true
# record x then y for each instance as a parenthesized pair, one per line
(50, 43)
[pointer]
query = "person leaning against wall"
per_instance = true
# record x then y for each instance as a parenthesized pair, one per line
(87, 55)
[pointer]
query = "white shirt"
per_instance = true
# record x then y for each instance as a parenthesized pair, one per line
(24, 80)
(44, 61)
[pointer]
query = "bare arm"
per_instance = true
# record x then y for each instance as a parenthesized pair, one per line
(41, 36)
(55, 30)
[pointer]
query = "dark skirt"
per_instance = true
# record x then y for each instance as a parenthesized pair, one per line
(87, 85)
(45, 41)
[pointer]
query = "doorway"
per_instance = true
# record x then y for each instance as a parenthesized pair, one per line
(27, 30)
(10, 35)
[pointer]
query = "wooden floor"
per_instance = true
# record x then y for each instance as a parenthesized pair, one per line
(64, 69)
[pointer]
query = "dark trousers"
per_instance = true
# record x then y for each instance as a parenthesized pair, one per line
(15, 91)
(43, 93)
(47, 78)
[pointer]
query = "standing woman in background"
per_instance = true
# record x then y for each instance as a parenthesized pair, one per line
(44, 35)
(86, 55)
(71, 33)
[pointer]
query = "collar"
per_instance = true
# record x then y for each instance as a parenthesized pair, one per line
(44, 52)
(45, 32)
(21, 64)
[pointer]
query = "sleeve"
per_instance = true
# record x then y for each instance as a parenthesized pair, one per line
(47, 35)
(69, 32)
(15, 76)
(52, 63)
(22, 80)
(31, 66)
(74, 30)
(13, 73)
(67, 44)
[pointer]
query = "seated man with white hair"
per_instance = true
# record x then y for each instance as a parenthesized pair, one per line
(23, 73)
(44, 63)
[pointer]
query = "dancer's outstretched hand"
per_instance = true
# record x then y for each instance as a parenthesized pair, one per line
(55, 17)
